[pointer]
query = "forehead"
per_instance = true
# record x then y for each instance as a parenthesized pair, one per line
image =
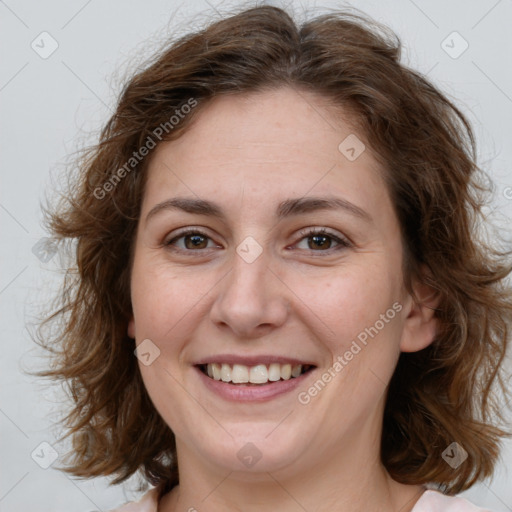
(264, 146)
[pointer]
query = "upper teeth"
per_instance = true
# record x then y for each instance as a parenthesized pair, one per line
(259, 374)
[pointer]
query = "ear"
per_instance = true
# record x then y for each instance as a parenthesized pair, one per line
(420, 325)
(131, 327)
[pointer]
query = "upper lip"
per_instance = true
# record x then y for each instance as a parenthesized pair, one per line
(266, 359)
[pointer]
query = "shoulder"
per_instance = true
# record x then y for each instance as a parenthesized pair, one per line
(435, 501)
(148, 503)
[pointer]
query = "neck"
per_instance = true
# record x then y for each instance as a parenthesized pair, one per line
(342, 483)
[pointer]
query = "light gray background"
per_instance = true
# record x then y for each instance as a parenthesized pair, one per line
(51, 106)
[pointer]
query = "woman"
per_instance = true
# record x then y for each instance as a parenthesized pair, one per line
(279, 222)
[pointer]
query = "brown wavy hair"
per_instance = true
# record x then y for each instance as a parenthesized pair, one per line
(449, 391)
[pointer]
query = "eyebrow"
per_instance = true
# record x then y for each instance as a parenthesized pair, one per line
(285, 209)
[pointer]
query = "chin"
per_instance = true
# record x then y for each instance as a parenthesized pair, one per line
(252, 452)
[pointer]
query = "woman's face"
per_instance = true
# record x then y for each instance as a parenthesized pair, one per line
(253, 293)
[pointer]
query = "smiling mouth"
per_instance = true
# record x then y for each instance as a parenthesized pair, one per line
(261, 374)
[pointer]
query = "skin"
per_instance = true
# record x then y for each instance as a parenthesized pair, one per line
(309, 300)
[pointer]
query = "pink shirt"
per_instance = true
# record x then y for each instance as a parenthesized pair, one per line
(430, 501)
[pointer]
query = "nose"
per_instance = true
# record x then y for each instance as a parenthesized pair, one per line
(251, 300)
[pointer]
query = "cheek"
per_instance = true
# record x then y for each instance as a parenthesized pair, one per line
(348, 301)
(362, 314)
(163, 297)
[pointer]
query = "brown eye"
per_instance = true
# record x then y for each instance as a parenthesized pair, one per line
(320, 240)
(190, 240)
(196, 241)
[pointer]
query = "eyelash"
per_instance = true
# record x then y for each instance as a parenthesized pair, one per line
(343, 243)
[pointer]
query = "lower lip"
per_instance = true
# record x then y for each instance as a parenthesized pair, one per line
(251, 393)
